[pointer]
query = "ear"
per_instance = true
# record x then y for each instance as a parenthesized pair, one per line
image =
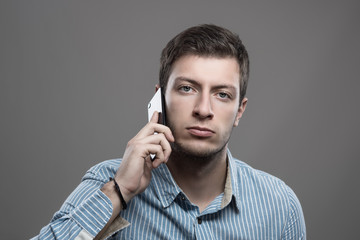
(240, 111)
(157, 86)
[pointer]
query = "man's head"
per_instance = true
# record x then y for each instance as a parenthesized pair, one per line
(205, 41)
(204, 72)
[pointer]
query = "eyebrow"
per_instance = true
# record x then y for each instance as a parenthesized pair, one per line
(196, 83)
(181, 79)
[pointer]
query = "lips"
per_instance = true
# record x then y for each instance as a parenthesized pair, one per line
(200, 131)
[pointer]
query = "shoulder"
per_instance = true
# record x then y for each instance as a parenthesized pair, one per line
(263, 184)
(269, 192)
(103, 170)
(244, 172)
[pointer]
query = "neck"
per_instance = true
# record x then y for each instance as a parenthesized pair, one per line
(201, 179)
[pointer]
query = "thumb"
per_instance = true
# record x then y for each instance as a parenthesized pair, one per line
(155, 117)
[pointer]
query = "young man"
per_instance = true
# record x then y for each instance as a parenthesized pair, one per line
(194, 188)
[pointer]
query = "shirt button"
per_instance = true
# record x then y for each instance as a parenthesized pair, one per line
(199, 220)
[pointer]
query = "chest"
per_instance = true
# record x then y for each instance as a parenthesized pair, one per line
(149, 219)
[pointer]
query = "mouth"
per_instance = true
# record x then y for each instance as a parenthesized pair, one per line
(200, 131)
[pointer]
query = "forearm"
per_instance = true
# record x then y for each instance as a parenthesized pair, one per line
(133, 174)
(109, 190)
(87, 209)
(90, 216)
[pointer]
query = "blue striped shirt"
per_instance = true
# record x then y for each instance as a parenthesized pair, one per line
(254, 205)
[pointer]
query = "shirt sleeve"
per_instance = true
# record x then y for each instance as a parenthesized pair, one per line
(295, 225)
(84, 213)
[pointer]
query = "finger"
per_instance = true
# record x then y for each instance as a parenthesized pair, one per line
(151, 164)
(156, 163)
(155, 117)
(159, 128)
(152, 128)
(155, 149)
(162, 141)
(148, 162)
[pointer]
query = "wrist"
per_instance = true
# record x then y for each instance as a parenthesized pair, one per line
(119, 193)
(109, 190)
(127, 195)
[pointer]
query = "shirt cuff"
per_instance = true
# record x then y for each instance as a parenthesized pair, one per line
(94, 213)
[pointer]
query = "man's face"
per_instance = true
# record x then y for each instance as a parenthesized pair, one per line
(202, 103)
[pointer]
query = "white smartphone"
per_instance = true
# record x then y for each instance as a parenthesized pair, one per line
(157, 103)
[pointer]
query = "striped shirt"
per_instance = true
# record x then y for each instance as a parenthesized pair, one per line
(254, 205)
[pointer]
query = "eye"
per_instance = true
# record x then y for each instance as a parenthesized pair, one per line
(223, 95)
(185, 88)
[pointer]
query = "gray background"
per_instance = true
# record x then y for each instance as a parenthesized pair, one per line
(76, 77)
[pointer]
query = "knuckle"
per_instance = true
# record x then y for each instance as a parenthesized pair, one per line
(131, 142)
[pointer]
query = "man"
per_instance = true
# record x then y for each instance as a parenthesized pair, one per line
(194, 188)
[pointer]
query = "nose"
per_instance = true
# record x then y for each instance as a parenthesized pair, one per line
(203, 108)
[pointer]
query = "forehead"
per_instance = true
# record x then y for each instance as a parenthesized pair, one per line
(206, 70)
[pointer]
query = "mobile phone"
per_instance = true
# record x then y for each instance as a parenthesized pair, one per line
(157, 103)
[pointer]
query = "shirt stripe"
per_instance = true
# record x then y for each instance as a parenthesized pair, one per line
(260, 206)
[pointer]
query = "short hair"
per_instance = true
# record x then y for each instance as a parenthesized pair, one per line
(205, 40)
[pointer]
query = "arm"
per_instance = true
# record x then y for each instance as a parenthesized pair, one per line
(134, 173)
(94, 204)
(295, 226)
(74, 217)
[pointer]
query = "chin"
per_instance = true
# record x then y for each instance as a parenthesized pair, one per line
(196, 150)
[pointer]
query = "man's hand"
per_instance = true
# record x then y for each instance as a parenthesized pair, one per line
(134, 173)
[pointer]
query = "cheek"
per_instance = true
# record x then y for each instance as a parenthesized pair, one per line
(227, 115)
(176, 110)
(178, 105)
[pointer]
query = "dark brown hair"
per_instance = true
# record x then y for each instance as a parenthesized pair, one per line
(205, 40)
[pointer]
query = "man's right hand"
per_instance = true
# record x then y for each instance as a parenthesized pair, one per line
(134, 174)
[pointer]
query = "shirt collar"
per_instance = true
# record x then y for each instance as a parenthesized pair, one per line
(232, 187)
(167, 190)
(164, 185)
